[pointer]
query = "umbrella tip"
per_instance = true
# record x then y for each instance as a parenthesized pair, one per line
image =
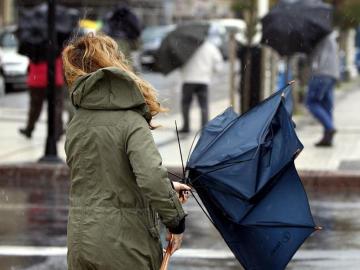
(319, 228)
(291, 82)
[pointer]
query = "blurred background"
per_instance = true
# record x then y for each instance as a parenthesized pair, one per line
(260, 53)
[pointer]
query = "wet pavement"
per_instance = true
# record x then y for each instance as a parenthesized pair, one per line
(25, 245)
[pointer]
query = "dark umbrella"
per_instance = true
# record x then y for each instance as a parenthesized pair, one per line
(296, 27)
(243, 170)
(179, 45)
(33, 27)
(122, 23)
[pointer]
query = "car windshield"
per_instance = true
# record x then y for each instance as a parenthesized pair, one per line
(155, 32)
(8, 40)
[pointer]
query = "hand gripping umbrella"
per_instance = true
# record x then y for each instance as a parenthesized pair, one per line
(167, 252)
(243, 171)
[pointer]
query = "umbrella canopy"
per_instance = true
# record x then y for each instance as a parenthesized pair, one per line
(179, 45)
(243, 170)
(122, 23)
(33, 28)
(296, 27)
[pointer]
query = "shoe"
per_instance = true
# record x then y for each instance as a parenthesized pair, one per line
(25, 132)
(326, 141)
(323, 143)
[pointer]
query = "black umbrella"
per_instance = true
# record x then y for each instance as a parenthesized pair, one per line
(33, 25)
(179, 45)
(122, 23)
(297, 26)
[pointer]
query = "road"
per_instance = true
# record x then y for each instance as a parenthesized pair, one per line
(336, 247)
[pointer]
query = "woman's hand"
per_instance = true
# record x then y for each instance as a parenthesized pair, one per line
(182, 190)
(175, 241)
(181, 187)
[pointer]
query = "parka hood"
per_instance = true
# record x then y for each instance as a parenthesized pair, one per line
(108, 89)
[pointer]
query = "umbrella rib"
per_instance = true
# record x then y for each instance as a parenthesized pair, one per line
(177, 176)
(202, 208)
(181, 156)
(192, 145)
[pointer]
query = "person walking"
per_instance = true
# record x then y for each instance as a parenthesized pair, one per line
(196, 76)
(320, 97)
(37, 82)
(119, 188)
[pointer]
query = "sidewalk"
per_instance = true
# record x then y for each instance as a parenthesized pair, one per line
(344, 155)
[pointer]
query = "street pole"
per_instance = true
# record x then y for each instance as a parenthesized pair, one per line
(51, 148)
(232, 56)
(246, 63)
(265, 69)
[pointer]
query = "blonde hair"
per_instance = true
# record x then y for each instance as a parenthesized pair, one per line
(91, 52)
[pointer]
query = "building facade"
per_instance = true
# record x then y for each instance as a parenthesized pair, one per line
(151, 12)
(202, 9)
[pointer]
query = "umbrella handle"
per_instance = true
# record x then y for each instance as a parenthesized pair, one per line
(167, 255)
(166, 259)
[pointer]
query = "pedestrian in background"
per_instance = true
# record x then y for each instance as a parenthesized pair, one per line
(119, 188)
(320, 97)
(196, 76)
(123, 25)
(37, 82)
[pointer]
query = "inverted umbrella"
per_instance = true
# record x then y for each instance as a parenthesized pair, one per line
(179, 45)
(243, 170)
(296, 27)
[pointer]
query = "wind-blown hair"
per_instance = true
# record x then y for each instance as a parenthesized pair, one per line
(88, 53)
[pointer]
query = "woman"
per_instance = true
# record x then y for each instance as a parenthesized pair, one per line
(119, 188)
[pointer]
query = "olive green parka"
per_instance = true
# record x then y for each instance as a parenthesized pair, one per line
(119, 188)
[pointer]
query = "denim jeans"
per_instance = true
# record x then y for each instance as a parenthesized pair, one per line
(320, 100)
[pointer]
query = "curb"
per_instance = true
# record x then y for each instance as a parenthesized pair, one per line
(48, 176)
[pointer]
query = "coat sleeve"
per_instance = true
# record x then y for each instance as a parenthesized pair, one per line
(151, 176)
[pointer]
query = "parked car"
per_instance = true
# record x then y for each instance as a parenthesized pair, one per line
(151, 38)
(13, 66)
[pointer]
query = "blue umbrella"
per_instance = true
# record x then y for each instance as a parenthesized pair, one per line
(243, 170)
